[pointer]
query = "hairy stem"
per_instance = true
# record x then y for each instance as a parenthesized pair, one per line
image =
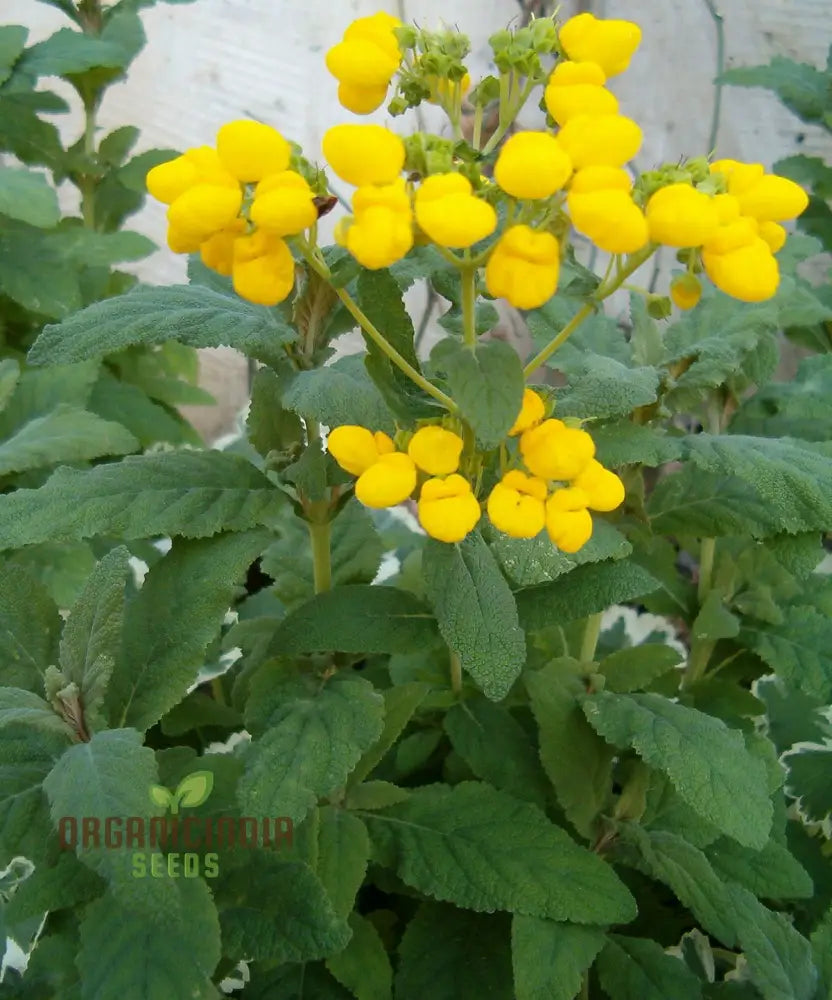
(468, 276)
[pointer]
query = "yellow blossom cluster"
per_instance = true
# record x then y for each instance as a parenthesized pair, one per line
(559, 486)
(235, 204)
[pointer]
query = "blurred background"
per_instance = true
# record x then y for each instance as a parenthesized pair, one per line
(212, 61)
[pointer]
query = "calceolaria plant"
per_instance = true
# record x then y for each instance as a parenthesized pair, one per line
(471, 676)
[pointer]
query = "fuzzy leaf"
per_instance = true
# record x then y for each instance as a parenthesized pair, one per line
(342, 852)
(550, 958)
(809, 769)
(340, 393)
(802, 88)
(799, 649)
(29, 629)
(28, 196)
(602, 387)
(639, 969)
(635, 667)
(771, 873)
(363, 966)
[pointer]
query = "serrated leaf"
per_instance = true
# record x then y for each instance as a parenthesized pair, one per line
(601, 387)
(67, 434)
(496, 748)
(576, 760)
(33, 274)
(128, 956)
(639, 969)
(635, 667)
(38, 389)
(81, 246)
(802, 88)
(584, 591)
(25, 708)
(486, 383)
(270, 426)
(799, 649)
(808, 780)
(68, 52)
(27, 196)
(798, 408)
(771, 873)
(468, 960)
(187, 314)
(714, 620)
(110, 775)
(400, 702)
(822, 949)
(779, 959)
(342, 852)
(630, 444)
(363, 966)
(792, 715)
(177, 493)
(707, 762)
(340, 393)
(67, 883)
(483, 850)
(476, 612)
(309, 739)
(12, 41)
(150, 422)
(550, 958)
(375, 795)
(356, 619)
(29, 629)
(195, 582)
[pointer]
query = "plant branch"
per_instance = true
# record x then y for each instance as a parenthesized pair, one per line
(589, 642)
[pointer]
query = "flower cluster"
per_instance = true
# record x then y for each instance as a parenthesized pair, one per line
(235, 205)
(559, 486)
(364, 62)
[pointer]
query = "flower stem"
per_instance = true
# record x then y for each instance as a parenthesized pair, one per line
(603, 291)
(589, 642)
(456, 673)
(319, 535)
(468, 277)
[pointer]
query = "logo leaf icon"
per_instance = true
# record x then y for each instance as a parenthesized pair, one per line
(160, 796)
(195, 788)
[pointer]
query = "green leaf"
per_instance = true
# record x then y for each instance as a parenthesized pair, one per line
(176, 493)
(793, 716)
(450, 954)
(270, 426)
(110, 775)
(67, 434)
(585, 591)
(188, 314)
(12, 40)
(707, 762)
(772, 873)
(128, 954)
(363, 966)
(808, 780)
(309, 738)
(150, 422)
(693, 502)
(550, 958)
(400, 703)
(26, 135)
(340, 393)
(486, 383)
(342, 851)
(602, 387)
(28, 196)
(9, 375)
(23, 707)
(799, 649)
(629, 444)
(29, 629)
(66, 884)
(278, 911)
(822, 948)
(496, 748)
(483, 850)
(639, 969)
(798, 408)
(38, 389)
(375, 795)
(636, 667)
(529, 561)
(356, 619)
(577, 761)
(69, 53)
(779, 959)
(714, 620)
(33, 274)
(802, 88)
(86, 247)
(476, 612)
(194, 583)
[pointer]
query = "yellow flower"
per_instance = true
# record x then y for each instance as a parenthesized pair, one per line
(603, 489)
(387, 482)
(365, 61)
(749, 273)
(531, 413)
(680, 216)
(263, 270)
(738, 176)
(355, 449)
(608, 140)
(516, 505)
(601, 207)
(200, 165)
(250, 150)
(450, 214)
(447, 508)
(685, 291)
(727, 208)
(577, 88)
(283, 204)
(532, 165)
(523, 267)
(435, 450)
(568, 522)
(381, 230)
(773, 199)
(217, 252)
(554, 451)
(205, 209)
(737, 234)
(774, 235)
(181, 241)
(364, 154)
(611, 44)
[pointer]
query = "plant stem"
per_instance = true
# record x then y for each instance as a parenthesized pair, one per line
(468, 277)
(319, 535)
(590, 638)
(217, 691)
(456, 673)
(604, 290)
(508, 109)
(88, 183)
(706, 567)
(476, 138)
(584, 994)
